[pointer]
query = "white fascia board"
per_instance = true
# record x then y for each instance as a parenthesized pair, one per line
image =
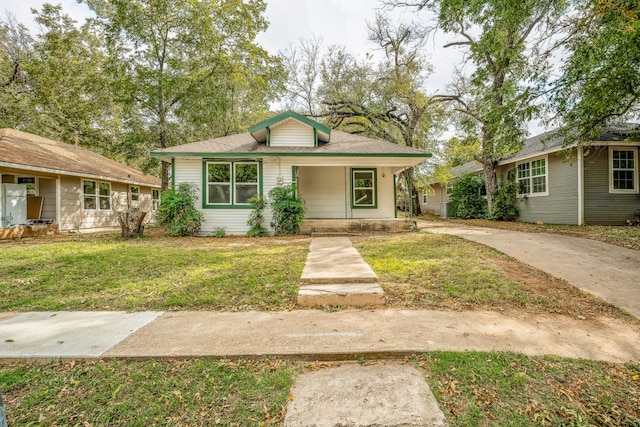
(80, 175)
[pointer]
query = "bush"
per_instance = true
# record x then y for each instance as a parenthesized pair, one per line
(288, 209)
(177, 211)
(465, 198)
(504, 202)
(258, 203)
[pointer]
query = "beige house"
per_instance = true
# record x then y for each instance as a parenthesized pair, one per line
(344, 178)
(44, 181)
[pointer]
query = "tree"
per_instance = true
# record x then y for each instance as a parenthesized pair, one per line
(176, 63)
(385, 100)
(54, 83)
(600, 80)
(506, 43)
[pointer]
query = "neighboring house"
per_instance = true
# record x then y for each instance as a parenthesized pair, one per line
(339, 175)
(597, 184)
(67, 185)
(434, 200)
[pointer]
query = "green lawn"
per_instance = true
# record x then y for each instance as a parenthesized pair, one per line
(473, 389)
(108, 273)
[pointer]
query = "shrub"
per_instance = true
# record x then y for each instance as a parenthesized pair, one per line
(465, 198)
(177, 211)
(504, 202)
(288, 209)
(258, 203)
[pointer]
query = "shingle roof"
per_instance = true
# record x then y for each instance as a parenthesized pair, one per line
(549, 142)
(244, 143)
(25, 149)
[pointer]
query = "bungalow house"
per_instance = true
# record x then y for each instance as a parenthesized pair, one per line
(339, 175)
(52, 182)
(595, 184)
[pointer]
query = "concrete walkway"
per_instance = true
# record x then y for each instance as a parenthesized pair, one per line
(607, 271)
(309, 334)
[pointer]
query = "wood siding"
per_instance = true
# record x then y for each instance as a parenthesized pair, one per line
(291, 133)
(435, 197)
(600, 206)
(561, 205)
(47, 189)
(326, 189)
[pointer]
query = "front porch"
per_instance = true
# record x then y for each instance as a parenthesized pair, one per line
(318, 227)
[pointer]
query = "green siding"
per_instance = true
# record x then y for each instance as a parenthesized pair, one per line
(561, 205)
(600, 206)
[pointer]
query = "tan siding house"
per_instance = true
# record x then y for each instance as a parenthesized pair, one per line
(75, 188)
(596, 184)
(339, 175)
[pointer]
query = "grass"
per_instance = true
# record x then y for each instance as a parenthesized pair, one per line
(438, 271)
(174, 393)
(473, 389)
(625, 236)
(508, 389)
(108, 273)
(417, 270)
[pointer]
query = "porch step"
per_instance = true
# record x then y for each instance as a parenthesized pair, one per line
(344, 294)
(356, 226)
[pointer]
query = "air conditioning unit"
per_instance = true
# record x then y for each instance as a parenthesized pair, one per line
(444, 210)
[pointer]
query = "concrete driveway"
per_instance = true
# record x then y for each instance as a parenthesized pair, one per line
(607, 271)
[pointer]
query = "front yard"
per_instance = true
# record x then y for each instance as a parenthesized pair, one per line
(417, 270)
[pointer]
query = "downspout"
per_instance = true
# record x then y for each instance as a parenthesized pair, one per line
(58, 201)
(346, 194)
(580, 185)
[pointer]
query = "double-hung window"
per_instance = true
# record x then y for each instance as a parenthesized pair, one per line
(96, 195)
(363, 188)
(532, 178)
(155, 199)
(134, 193)
(623, 177)
(231, 183)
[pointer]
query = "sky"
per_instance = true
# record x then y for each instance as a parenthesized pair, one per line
(336, 22)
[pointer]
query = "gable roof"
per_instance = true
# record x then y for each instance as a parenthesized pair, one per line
(259, 131)
(32, 152)
(244, 144)
(550, 142)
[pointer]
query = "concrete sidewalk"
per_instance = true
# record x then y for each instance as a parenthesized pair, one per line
(309, 335)
(607, 271)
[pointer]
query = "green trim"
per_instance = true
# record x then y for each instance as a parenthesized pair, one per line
(232, 205)
(375, 188)
(173, 173)
(294, 181)
(315, 137)
(289, 114)
(395, 197)
(268, 137)
(267, 154)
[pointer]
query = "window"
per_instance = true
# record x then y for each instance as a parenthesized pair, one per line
(31, 185)
(363, 188)
(231, 183)
(623, 171)
(155, 199)
(135, 193)
(532, 178)
(96, 195)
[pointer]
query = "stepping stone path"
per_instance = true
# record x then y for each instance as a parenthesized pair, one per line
(363, 396)
(336, 274)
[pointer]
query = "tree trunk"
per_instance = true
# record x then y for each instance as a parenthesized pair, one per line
(490, 181)
(131, 222)
(165, 175)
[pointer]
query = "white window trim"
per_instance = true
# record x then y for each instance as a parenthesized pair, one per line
(234, 184)
(207, 183)
(97, 196)
(546, 176)
(635, 170)
(139, 193)
(373, 188)
(155, 202)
